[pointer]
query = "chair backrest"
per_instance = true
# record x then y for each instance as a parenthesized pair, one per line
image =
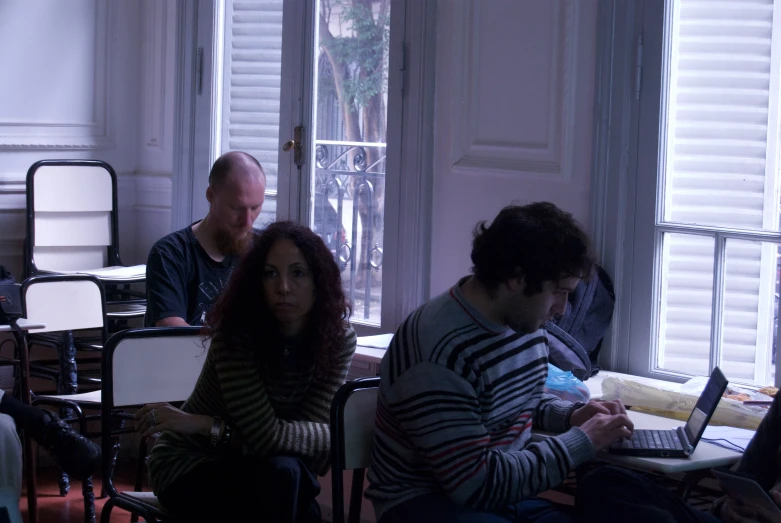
(152, 365)
(71, 216)
(146, 365)
(352, 434)
(65, 302)
(355, 404)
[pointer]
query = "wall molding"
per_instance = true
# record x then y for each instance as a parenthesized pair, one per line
(154, 99)
(38, 135)
(550, 159)
(13, 183)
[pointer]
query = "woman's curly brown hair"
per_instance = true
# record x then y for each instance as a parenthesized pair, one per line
(242, 315)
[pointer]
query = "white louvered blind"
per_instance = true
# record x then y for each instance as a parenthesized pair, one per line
(720, 162)
(251, 72)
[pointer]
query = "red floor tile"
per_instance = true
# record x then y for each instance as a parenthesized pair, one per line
(55, 509)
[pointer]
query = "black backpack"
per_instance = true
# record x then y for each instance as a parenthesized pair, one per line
(574, 339)
(10, 298)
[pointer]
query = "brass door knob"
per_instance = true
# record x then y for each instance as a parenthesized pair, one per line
(290, 144)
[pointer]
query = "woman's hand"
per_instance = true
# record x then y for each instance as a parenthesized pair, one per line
(157, 417)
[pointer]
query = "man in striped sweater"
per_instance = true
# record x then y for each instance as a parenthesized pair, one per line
(462, 385)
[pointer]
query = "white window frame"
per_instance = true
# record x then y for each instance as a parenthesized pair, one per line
(629, 89)
(408, 202)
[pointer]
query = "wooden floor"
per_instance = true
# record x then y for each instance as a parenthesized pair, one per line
(55, 509)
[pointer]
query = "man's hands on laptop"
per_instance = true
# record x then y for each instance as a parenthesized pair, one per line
(604, 422)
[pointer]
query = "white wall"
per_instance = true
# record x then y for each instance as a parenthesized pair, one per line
(89, 79)
(513, 101)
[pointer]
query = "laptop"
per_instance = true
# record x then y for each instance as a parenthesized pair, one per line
(679, 442)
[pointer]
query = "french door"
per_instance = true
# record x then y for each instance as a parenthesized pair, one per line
(302, 85)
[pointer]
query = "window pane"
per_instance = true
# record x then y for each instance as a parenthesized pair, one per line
(749, 295)
(720, 95)
(348, 183)
(686, 303)
(251, 74)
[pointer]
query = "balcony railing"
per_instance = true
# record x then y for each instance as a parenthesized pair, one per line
(348, 212)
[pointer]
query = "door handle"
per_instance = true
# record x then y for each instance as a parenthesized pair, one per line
(295, 145)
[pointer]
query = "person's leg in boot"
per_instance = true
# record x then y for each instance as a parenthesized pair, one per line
(10, 457)
(616, 494)
(762, 458)
(74, 453)
(286, 490)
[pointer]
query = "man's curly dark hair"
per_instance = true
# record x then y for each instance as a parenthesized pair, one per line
(538, 241)
(242, 315)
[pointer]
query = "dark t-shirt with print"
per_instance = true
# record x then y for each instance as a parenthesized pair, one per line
(182, 280)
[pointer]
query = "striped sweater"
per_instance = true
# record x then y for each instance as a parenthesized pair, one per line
(284, 411)
(458, 398)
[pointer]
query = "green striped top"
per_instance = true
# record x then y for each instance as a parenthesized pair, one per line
(279, 411)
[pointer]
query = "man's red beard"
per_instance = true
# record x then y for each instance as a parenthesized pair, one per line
(229, 244)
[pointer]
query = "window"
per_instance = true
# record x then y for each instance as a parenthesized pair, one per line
(705, 272)
(248, 78)
(346, 165)
(317, 73)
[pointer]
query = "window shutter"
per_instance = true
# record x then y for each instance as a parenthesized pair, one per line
(720, 172)
(251, 87)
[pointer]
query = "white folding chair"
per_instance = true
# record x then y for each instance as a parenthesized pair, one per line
(352, 433)
(140, 366)
(66, 304)
(73, 227)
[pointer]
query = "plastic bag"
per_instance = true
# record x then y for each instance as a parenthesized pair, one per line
(565, 385)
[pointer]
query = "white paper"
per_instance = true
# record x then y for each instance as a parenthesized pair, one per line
(380, 341)
(737, 437)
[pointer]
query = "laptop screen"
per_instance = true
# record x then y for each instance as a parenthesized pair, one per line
(706, 406)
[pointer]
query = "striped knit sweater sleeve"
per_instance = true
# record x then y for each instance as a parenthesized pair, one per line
(442, 417)
(316, 405)
(458, 399)
(261, 430)
(230, 386)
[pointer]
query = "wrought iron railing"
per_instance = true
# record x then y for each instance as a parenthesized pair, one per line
(352, 174)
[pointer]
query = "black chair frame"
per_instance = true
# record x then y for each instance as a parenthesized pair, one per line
(338, 454)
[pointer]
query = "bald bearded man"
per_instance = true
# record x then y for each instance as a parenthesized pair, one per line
(187, 270)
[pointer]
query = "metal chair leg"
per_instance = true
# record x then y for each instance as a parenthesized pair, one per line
(139, 474)
(68, 385)
(32, 493)
(26, 397)
(356, 496)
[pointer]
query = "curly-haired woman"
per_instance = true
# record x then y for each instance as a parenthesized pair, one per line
(248, 442)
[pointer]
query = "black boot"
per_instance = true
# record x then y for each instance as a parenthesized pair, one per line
(74, 453)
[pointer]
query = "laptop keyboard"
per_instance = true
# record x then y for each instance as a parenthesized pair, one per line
(654, 439)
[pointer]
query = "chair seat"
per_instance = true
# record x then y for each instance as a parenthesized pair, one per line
(125, 310)
(147, 497)
(116, 274)
(126, 314)
(92, 398)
